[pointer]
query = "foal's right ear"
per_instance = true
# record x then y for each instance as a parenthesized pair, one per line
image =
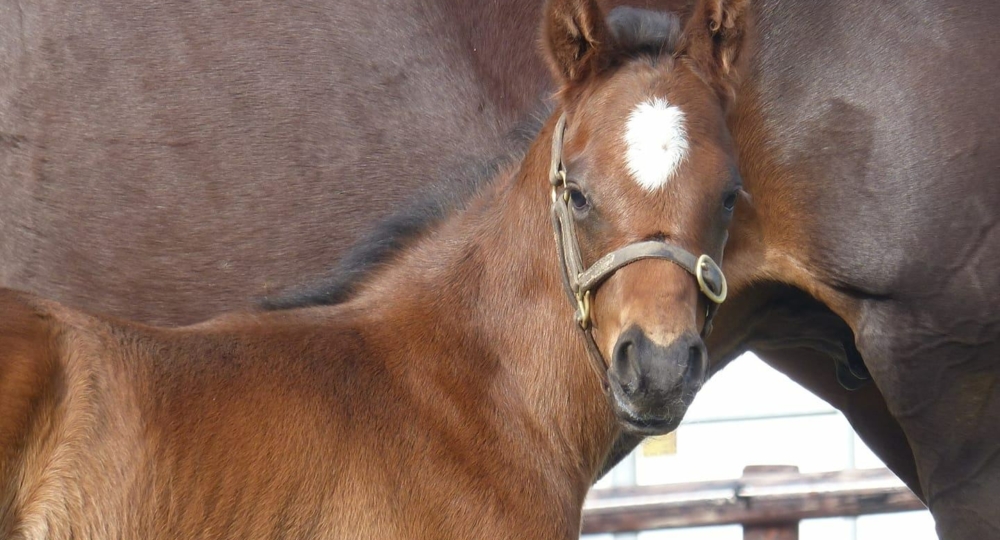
(578, 42)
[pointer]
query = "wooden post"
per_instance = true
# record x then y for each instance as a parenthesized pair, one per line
(761, 499)
(780, 530)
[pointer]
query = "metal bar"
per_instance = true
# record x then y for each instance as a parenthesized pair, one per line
(759, 499)
(761, 418)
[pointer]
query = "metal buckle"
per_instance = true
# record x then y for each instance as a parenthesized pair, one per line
(706, 263)
(561, 182)
(583, 309)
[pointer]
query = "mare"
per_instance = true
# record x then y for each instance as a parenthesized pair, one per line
(452, 395)
(150, 161)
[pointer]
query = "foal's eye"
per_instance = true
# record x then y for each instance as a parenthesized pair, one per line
(730, 202)
(577, 199)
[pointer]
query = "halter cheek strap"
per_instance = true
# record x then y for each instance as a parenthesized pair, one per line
(581, 283)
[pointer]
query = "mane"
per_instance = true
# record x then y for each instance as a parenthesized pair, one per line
(639, 33)
(645, 32)
(394, 233)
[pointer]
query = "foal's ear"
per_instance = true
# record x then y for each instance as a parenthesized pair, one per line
(715, 40)
(578, 43)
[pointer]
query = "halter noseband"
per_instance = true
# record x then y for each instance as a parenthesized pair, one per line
(581, 282)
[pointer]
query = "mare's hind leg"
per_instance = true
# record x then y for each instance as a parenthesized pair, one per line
(26, 368)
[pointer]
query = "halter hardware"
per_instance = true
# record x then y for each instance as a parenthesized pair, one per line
(706, 264)
(580, 282)
(583, 309)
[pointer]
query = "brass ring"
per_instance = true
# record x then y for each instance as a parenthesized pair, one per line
(705, 263)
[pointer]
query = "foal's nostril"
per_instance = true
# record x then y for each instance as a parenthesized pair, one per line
(626, 365)
(696, 365)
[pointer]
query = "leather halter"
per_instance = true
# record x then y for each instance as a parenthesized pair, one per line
(581, 282)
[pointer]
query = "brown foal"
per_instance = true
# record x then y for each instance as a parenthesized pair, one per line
(453, 395)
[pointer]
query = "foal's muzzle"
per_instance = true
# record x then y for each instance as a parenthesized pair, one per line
(651, 383)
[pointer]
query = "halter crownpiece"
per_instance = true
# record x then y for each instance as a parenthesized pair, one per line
(581, 283)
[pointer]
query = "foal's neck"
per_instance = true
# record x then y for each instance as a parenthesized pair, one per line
(482, 299)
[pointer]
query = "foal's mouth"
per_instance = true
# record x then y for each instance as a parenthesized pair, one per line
(636, 422)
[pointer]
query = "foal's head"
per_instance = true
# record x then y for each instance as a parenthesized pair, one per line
(647, 162)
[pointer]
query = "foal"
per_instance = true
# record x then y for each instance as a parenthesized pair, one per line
(453, 395)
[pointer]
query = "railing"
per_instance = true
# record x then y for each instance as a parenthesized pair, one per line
(768, 501)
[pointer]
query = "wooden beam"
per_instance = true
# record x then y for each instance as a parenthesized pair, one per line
(763, 498)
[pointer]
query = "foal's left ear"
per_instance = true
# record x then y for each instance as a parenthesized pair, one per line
(715, 39)
(578, 42)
